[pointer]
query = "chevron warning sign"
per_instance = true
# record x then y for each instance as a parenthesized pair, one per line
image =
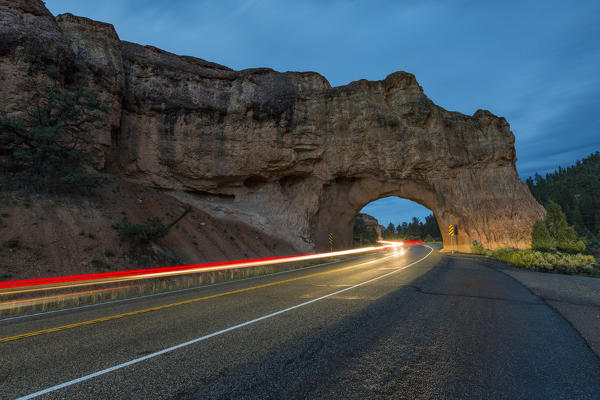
(452, 230)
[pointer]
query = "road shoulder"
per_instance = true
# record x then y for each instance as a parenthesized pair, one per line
(576, 298)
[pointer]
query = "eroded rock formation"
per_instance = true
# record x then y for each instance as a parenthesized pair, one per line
(285, 152)
(366, 227)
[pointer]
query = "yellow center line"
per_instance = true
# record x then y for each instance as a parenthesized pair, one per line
(180, 303)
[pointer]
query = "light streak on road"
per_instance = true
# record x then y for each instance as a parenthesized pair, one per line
(395, 243)
(17, 293)
(39, 300)
(62, 282)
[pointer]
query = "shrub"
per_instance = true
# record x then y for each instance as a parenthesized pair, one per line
(477, 248)
(99, 264)
(564, 234)
(140, 234)
(543, 261)
(541, 238)
(13, 243)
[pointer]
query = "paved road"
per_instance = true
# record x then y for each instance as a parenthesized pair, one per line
(420, 325)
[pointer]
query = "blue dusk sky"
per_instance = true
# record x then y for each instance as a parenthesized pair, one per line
(536, 63)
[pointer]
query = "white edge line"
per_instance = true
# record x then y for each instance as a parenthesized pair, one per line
(202, 338)
(199, 287)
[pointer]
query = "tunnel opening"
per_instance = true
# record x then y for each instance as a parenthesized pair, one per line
(394, 218)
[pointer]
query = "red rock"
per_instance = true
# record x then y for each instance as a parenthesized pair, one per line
(284, 152)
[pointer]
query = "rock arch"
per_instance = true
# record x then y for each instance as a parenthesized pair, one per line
(285, 152)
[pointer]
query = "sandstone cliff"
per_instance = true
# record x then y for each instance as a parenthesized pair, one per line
(284, 152)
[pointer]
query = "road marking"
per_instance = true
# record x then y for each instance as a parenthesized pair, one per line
(333, 285)
(174, 291)
(202, 338)
(179, 303)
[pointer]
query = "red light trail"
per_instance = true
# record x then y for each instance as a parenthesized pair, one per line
(60, 282)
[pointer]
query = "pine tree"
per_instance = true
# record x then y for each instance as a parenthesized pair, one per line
(47, 147)
(564, 234)
(576, 189)
(541, 238)
(390, 231)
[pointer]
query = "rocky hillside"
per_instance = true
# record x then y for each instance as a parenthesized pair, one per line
(285, 153)
(58, 235)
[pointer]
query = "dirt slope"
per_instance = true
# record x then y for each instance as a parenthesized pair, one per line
(49, 235)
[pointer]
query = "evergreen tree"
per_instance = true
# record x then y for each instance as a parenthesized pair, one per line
(565, 236)
(541, 238)
(576, 189)
(46, 148)
(390, 231)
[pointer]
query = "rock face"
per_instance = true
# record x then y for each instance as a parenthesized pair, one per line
(284, 152)
(368, 222)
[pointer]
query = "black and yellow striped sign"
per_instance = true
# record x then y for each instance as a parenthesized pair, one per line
(331, 239)
(452, 230)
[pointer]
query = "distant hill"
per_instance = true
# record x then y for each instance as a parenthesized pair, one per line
(577, 190)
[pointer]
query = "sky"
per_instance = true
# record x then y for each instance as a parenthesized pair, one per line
(536, 63)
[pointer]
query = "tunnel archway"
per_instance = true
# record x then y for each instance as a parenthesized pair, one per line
(345, 198)
(393, 218)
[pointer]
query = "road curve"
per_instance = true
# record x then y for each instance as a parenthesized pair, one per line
(418, 325)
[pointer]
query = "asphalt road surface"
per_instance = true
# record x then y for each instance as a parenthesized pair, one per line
(418, 326)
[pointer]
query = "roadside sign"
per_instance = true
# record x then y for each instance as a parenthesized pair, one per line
(453, 231)
(330, 241)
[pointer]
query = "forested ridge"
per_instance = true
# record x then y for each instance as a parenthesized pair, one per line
(414, 230)
(576, 189)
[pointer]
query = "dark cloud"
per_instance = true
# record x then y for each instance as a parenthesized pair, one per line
(535, 63)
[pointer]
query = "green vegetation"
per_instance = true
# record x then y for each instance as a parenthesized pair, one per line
(554, 233)
(100, 264)
(541, 238)
(548, 262)
(427, 231)
(477, 248)
(48, 147)
(556, 247)
(141, 234)
(576, 189)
